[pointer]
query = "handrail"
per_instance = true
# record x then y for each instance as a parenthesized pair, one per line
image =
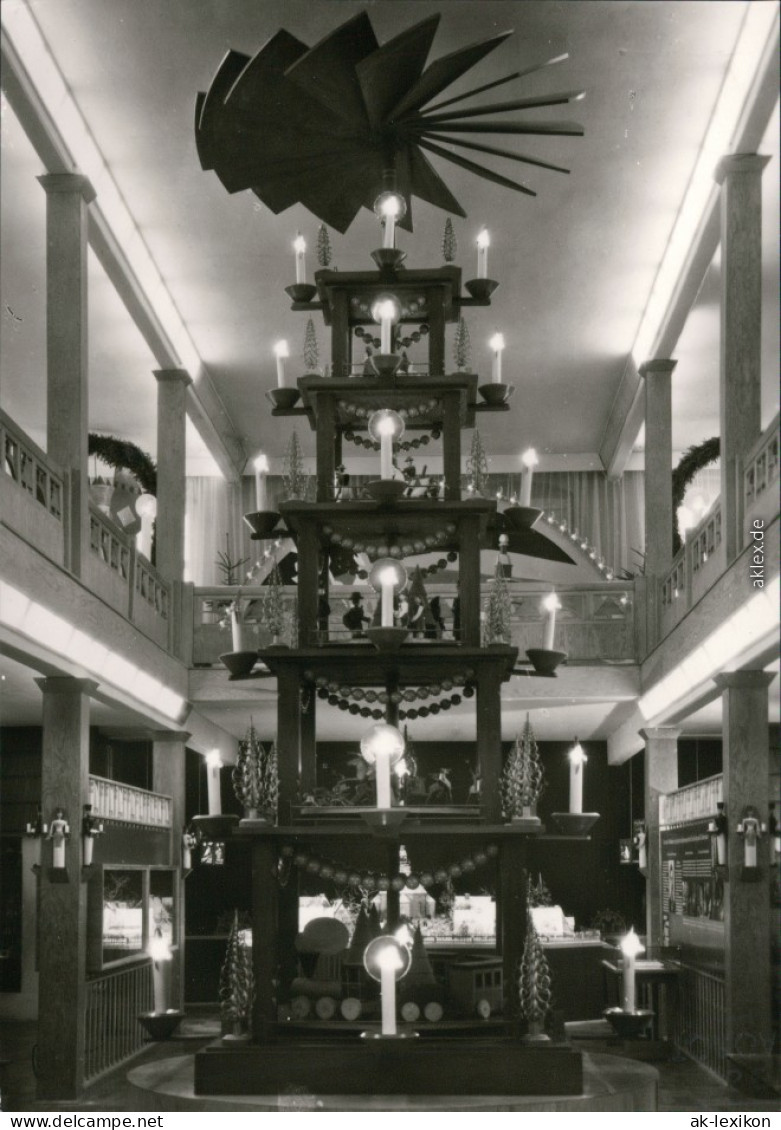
(114, 800)
(31, 468)
(691, 802)
(768, 434)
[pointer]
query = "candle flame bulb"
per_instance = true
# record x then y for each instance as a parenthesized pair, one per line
(281, 349)
(497, 343)
(551, 603)
(483, 238)
(576, 754)
(299, 244)
(529, 458)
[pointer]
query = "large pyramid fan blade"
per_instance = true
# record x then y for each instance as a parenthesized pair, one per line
(386, 74)
(209, 105)
(473, 167)
(428, 184)
(496, 152)
(335, 196)
(560, 99)
(327, 71)
(533, 544)
(544, 129)
(442, 73)
(498, 82)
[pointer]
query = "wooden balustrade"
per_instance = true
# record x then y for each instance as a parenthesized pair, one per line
(699, 1020)
(595, 623)
(113, 800)
(34, 491)
(692, 802)
(112, 1007)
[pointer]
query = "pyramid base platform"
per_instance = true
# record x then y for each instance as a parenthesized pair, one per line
(404, 1066)
(609, 1084)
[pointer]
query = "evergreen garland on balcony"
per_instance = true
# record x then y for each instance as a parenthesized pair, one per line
(694, 459)
(123, 455)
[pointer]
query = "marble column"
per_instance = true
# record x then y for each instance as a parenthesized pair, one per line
(746, 765)
(168, 761)
(741, 320)
(661, 776)
(171, 483)
(659, 516)
(67, 356)
(62, 920)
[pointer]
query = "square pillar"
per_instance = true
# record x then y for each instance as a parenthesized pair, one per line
(661, 776)
(67, 354)
(746, 765)
(659, 516)
(62, 932)
(171, 484)
(740, 370)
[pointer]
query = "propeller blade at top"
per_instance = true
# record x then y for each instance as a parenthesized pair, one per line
(327, 72)
(385, 75)
(442, 73)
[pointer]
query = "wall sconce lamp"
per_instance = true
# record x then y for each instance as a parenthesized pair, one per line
(91, 827)
(751, 829)
(775, 832)
(717, 830)
(189, 844)
(639, 839)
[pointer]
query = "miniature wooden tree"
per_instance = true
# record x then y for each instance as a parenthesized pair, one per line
(523, 780)
(269, 782)
(539, 893)
(324, 252)
(273, 615)
(498, 613)
(296, 481)
(462, 346)
(311, 352)
(228, 566)
(247, 778)
(534, 982)
(477, 466)
(236, 984)
(449, 242)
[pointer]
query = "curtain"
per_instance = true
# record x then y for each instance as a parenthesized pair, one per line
(213, 525)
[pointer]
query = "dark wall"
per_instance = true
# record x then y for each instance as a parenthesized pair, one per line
(698, 758)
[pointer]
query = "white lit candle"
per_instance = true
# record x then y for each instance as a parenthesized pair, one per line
(385, 311)
(631, 946)
(577, 758)
(483, 240)
(750, 830)
(387, 581)
(160, 952)
(261, 469)
(281, 351)
(213, 764)
(497, 345)
(391, 209)
(389, 961)
(530, 461)
(386, 428)
(299, 246)
(551, 605)
(382, 772)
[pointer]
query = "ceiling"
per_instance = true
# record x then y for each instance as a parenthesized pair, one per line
(575, 265)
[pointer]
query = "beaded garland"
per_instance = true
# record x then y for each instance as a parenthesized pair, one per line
(378, 881)
(340, 695)
(404, 342)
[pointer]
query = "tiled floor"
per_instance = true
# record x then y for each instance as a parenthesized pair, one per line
(683, 1085)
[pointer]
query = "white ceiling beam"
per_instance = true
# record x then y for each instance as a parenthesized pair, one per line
(28, 69)
(743, 110)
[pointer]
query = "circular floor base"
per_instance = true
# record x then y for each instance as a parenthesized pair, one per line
(610, 1083)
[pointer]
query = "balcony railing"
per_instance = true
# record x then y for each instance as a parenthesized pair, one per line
(112, 1007)
(696, 566)
(699, 1020)
(595, 624)
(760, 480)
(112, 800)
(692, 802)
(33, 491)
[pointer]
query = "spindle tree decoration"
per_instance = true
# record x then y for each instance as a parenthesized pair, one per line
(296, 481)
(311, 353)
(523, 780)
(324, 252)
(247, 778)
(449, 242)
(462, 348)
(477, 466)
(534, 983)
(498, 613)
(273, 615)
(269, 782)
(236, 983)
